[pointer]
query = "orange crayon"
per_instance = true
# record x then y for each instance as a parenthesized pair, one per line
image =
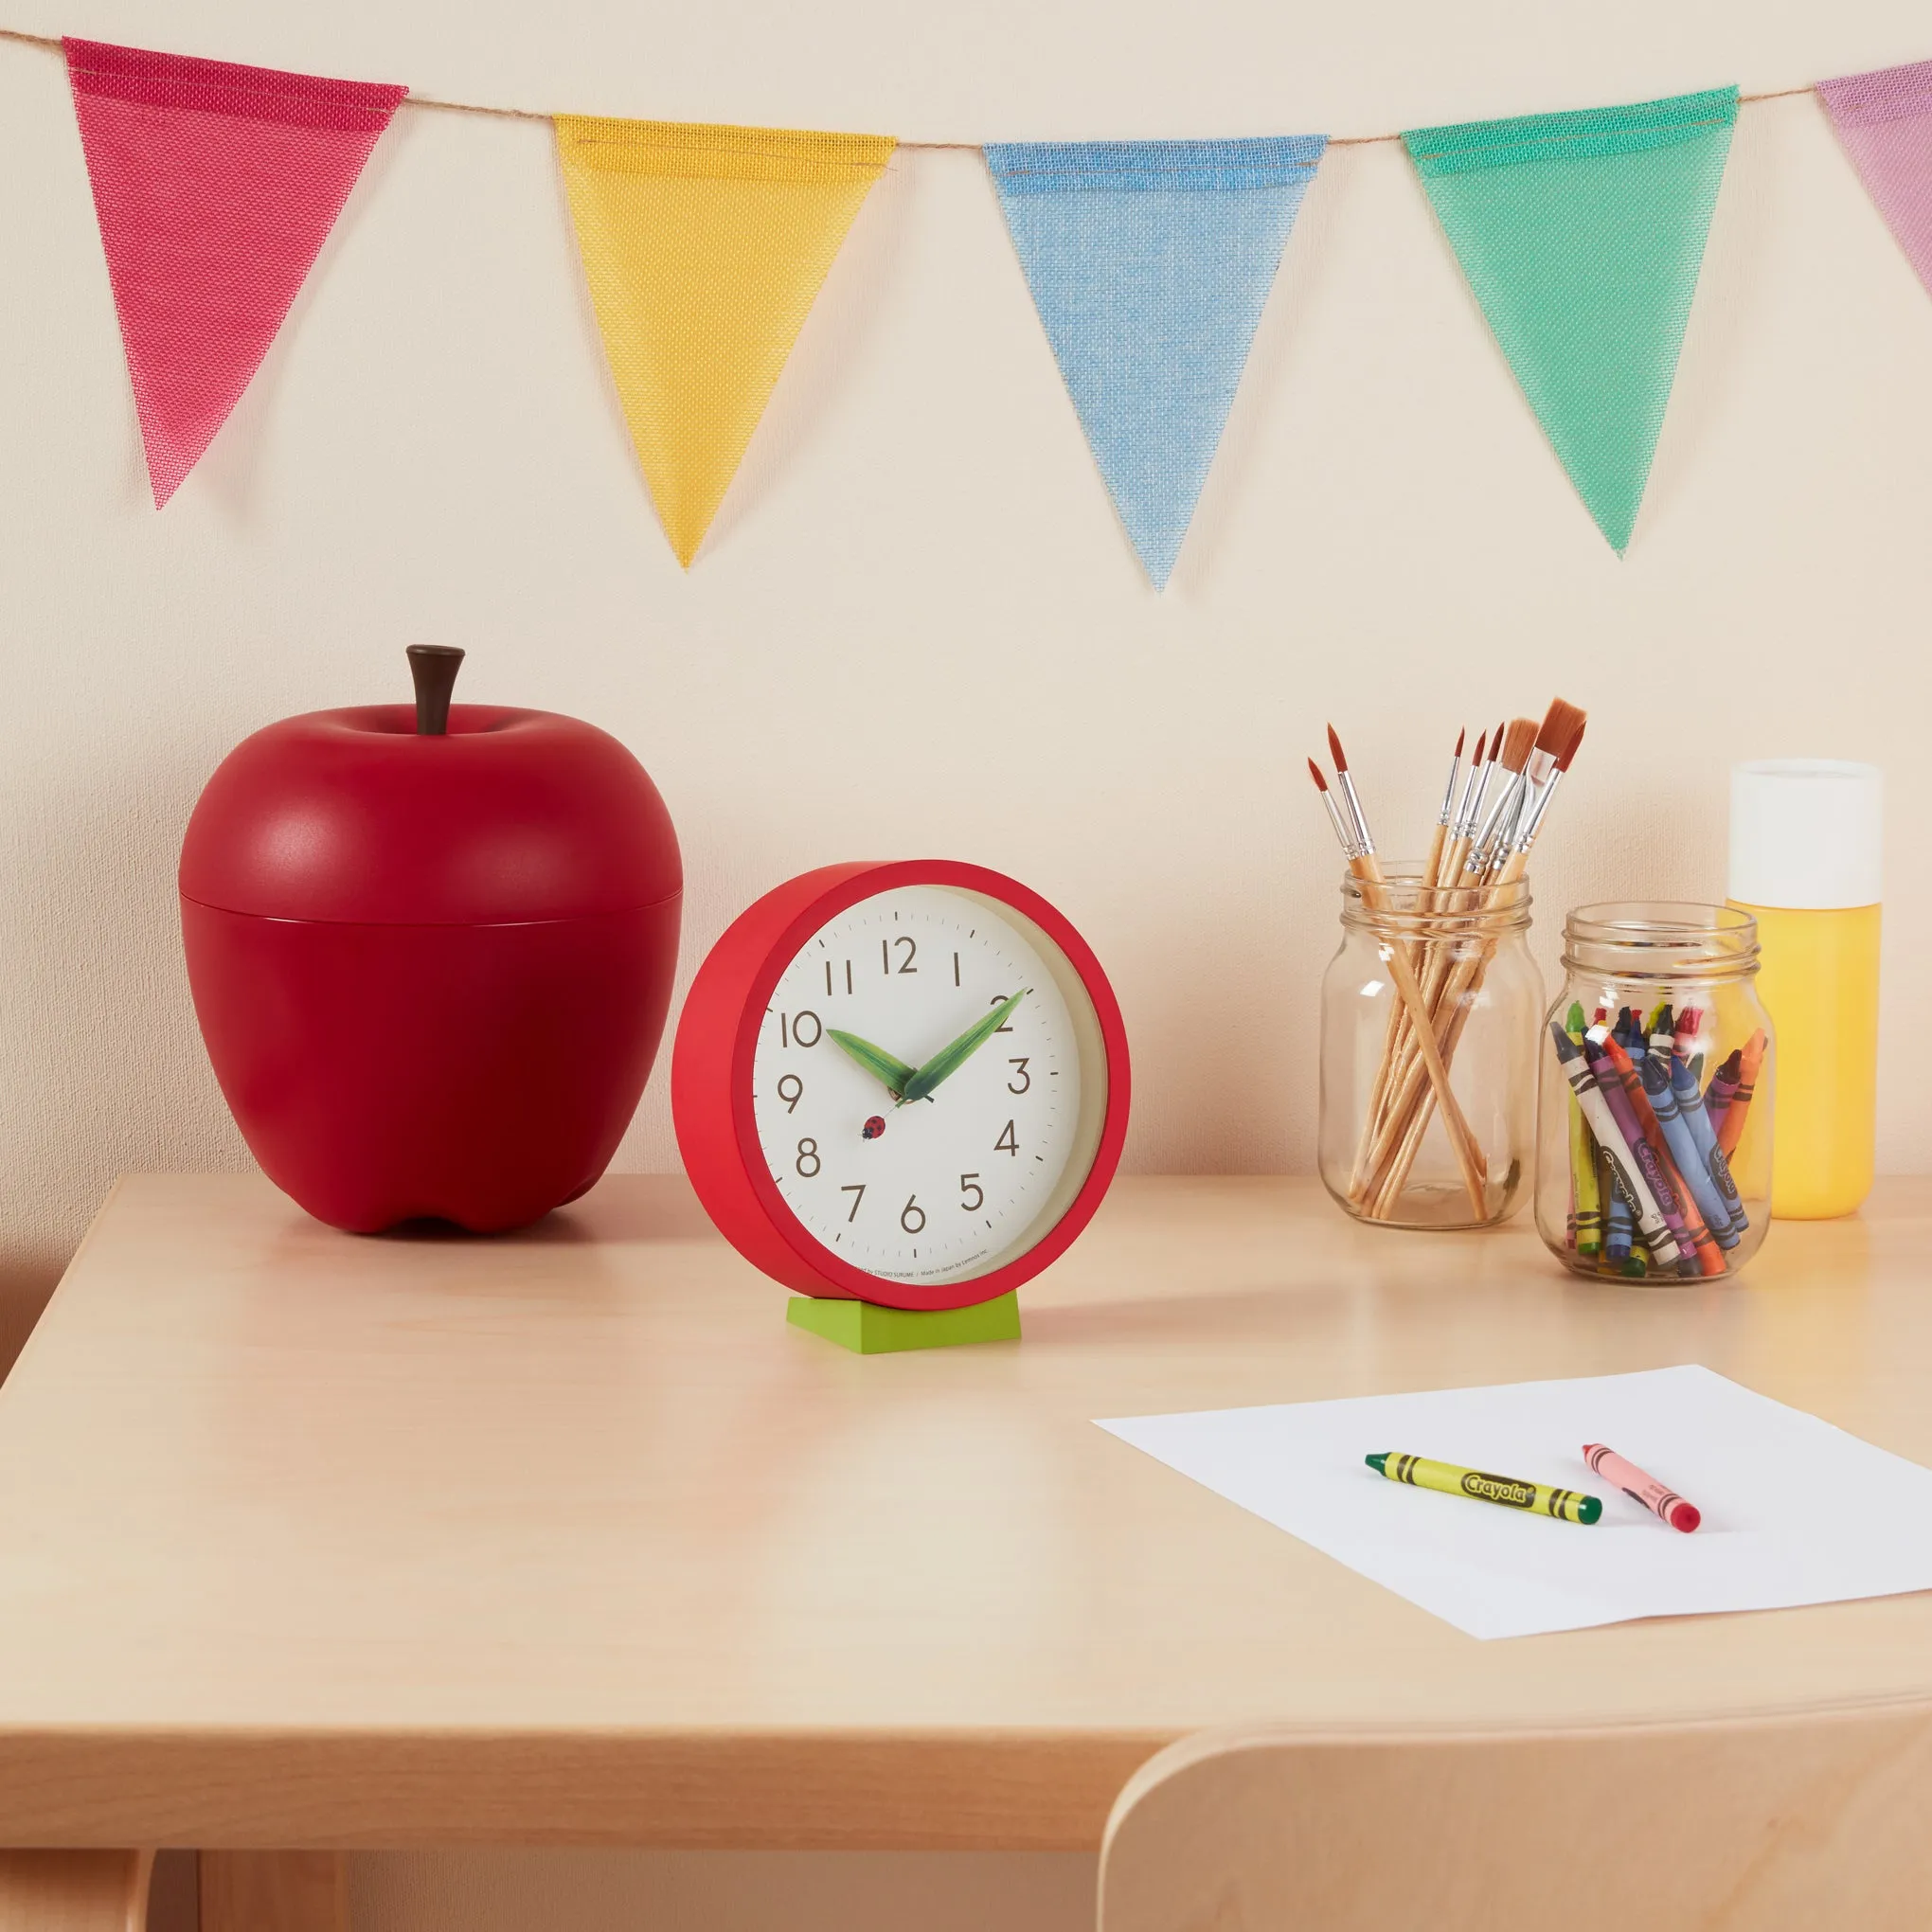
(1730, 1130)
(1642, 1488)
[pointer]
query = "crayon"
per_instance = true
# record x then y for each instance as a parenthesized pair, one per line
(1620, 1228)
(1565, 1505)
(1586, 1201)
(1642, 1488)
(1730, 1130)
(1691, 1104)
(1627, 1033)
(1723, 1087)
(1689, 1019)
(1713, 1202)
(1680, 1210)
(1630, 1181)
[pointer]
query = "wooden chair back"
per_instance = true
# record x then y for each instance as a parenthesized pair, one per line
(1816, 1821)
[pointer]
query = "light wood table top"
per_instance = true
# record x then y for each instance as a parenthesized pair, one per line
(308, 1539)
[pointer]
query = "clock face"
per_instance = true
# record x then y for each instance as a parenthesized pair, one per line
(961, 1180)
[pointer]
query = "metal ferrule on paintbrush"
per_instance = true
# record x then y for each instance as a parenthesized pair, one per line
(1556, 742)
(1365, 846)
(1471, 792)
(1533, 823)
(1446, 816)
(1501, 814)
(1345, 835)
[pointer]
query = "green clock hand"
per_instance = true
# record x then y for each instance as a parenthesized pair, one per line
(948, 1060)
(891, 1074)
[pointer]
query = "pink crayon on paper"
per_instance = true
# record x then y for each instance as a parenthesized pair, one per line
(1642, 1488)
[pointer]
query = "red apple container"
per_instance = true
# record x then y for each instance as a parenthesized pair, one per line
(431, 952)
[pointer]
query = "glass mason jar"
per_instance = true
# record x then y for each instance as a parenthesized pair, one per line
(1390, 1152)
(1654, 1157)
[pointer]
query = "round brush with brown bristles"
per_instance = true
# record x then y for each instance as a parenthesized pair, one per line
(1359, 848)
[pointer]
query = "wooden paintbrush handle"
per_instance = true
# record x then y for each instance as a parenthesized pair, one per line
(1468, 1157)
(1399, 1144)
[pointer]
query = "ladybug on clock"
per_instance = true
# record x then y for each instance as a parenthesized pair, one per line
(902, 1083)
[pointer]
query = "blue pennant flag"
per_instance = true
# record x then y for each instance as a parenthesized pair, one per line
(1148, 262)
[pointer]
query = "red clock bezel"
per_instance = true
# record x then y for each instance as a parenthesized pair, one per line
(711, 1082)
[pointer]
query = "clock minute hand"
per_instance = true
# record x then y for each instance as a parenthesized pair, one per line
(891, 1073)
(950, 1059)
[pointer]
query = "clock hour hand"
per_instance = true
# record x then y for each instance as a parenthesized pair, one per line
(892, 1074)
(948, 1060)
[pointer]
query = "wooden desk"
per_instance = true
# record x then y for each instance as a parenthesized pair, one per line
(316, 1541)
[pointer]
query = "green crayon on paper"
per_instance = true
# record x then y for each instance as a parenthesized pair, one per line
(1509, 1492)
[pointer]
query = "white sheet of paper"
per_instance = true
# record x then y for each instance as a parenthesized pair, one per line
(1794, 1510)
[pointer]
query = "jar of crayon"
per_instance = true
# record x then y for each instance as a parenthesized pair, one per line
(1432, 1126)
(1654, 1153)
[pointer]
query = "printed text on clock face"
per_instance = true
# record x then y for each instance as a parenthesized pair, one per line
(939, 1188)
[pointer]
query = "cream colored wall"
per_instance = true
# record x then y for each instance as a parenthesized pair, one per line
(431, 453)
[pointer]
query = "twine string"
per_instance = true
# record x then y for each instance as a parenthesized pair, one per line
(530, 113)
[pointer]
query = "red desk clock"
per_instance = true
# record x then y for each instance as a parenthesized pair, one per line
(901, 1089)
(431, 952)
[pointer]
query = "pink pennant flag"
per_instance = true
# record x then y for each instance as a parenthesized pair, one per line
(215, 187)
(1885, 121)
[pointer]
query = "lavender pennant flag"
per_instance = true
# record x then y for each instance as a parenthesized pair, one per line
(1885, 121)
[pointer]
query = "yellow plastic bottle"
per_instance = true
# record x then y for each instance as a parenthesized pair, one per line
(1805, 861)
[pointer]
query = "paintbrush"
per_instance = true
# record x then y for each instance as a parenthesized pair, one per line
(1359, 848)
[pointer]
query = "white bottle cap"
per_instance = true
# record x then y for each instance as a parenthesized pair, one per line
(1806, 832)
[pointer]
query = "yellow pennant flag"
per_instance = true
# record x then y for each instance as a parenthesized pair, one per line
(704, 248)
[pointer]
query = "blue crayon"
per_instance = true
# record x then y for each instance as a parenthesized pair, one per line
(1620, 1228)
(1629, 1035)
(1681, 1144)
(1690, 1100)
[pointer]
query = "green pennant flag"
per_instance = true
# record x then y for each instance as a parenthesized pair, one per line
(1582, 235)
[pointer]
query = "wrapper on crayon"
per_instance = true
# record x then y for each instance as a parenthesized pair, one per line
(1659, 1086)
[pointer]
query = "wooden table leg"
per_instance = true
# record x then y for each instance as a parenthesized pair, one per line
(74, 1891)
(271, 1892)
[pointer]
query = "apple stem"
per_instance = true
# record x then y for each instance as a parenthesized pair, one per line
(434, 667)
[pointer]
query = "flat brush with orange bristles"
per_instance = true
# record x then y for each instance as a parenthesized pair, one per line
(1439, 955)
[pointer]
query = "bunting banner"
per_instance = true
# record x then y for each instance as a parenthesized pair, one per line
(1148, 262)
(703, 249)
(215, 187)
(1885, 123)
(1582, 236)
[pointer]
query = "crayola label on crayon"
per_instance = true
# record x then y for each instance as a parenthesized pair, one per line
(1499, 1489)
